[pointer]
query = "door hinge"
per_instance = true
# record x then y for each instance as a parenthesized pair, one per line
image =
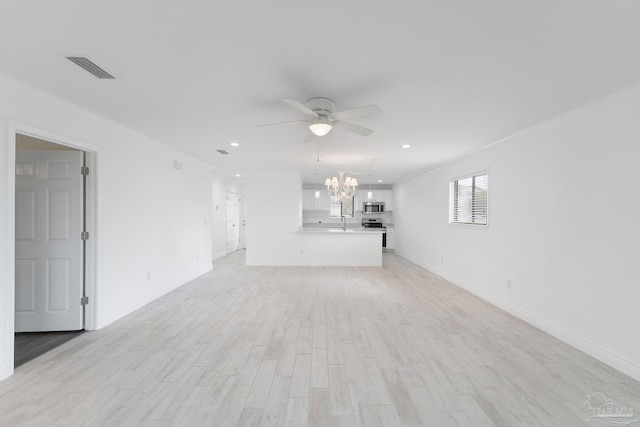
(84, 235)
(84, 300)
(84, 170)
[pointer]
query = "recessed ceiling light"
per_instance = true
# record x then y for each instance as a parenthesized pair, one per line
(406, 145)
(234, 144)
(379, 180)
(237, 174)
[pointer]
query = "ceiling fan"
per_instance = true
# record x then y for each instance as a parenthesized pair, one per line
(324, 118)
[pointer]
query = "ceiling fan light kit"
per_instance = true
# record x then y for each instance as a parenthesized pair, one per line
(320, 126)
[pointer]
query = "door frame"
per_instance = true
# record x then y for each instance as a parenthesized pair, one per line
(243, 234)
(91, 198)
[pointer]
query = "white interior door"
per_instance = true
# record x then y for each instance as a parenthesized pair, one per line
(233, 222)
(49, 247)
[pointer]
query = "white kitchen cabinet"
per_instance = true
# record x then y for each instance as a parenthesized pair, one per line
(311, 203)
(361, 196)
(366, 195)
(390, 238)
(308, 202)
(324, 201)
(387, 198)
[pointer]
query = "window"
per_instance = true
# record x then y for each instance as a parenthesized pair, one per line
(468, 200)
(347, 208)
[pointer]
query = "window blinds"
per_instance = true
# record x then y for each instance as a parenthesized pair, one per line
(469, 200)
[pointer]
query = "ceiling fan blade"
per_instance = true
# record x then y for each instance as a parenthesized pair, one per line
(352, 128)
(357, 112)
(300, 106)
(284, 123)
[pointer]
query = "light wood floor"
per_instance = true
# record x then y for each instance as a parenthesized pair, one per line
(276, 346)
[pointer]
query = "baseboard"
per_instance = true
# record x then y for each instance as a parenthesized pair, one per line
(5, 370)
(218, 256)
(129, 308)
(592, 349)
(139, 303)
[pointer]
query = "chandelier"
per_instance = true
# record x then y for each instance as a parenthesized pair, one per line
(341, 188)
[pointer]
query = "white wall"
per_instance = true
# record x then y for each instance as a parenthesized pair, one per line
(153, 222)
(274, 216)
(563, 226)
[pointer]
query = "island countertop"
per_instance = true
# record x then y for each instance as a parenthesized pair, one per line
(339, 230)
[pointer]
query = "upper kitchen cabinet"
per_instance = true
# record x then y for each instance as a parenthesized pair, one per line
(387, 198)
(308, 202)
(374, 195)
(315, 200)
(361, 196)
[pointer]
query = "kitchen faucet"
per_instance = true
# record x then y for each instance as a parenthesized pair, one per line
(344, 224)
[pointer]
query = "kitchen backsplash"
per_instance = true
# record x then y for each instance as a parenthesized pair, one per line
(316, 217)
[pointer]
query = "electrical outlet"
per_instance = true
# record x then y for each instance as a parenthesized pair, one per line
(509, 284)
(301, 251)
(148, 275)
(441, 258)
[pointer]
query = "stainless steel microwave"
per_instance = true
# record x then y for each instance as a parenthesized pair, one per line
(373, 207)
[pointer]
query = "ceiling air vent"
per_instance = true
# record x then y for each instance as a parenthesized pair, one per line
(85, 63)
(222, 151)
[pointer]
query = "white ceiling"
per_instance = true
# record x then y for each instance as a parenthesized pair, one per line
(450, 76)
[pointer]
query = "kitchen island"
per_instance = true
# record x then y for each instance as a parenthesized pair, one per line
(334, 246)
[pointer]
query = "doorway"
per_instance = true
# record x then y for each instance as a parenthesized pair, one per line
(29, 345)
(243, 208)
(51, 232)
(233, 218)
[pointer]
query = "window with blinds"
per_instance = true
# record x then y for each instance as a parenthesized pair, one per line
(469, 200)
(336, 210)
